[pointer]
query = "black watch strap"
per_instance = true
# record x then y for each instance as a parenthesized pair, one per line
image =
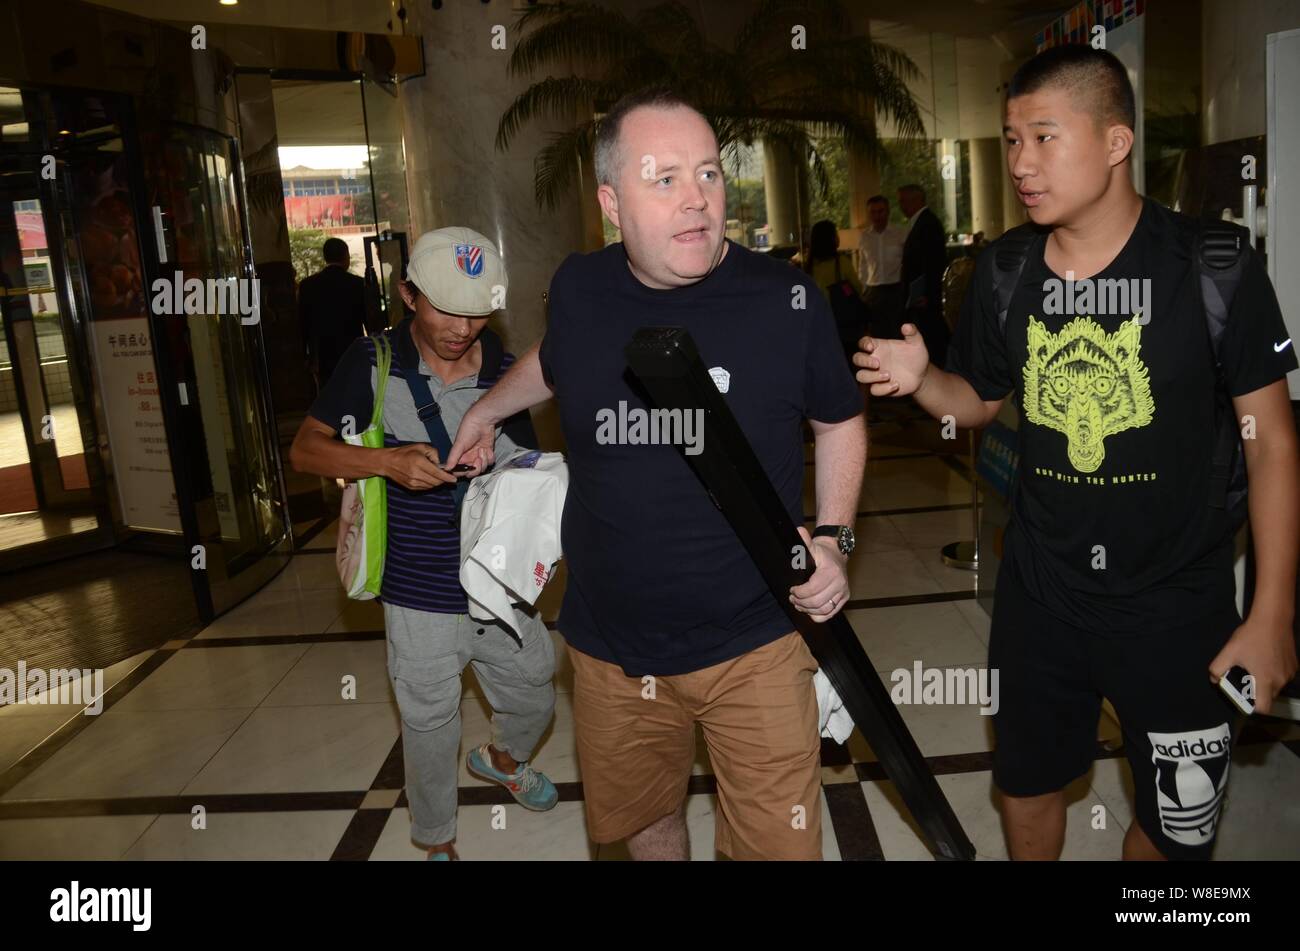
(842, 534)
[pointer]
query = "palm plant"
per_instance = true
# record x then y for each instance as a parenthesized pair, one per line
(758, 87)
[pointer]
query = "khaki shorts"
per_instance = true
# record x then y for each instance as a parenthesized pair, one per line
(758, 713)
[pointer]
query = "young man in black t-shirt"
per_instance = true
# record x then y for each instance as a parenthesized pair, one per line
(1117, 575)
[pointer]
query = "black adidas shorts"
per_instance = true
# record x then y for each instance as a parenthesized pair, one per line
(1178, 727)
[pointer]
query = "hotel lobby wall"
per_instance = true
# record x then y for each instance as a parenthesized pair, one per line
(1232, 64)
(456, 176)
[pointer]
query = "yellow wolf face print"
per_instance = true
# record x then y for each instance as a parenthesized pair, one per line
(1087, 384)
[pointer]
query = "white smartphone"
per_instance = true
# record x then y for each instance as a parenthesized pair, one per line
(1239, 687)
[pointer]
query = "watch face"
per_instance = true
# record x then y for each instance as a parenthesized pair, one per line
(846, 540)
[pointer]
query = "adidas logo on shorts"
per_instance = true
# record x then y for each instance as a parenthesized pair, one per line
(1191, 775)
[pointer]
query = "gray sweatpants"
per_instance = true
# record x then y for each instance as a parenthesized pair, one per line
(426, 654)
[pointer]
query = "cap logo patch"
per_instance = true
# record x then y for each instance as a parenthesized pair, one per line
(469, 259)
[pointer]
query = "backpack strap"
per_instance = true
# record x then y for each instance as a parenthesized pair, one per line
(1009, 259)
(430, 414)
(1220, 262)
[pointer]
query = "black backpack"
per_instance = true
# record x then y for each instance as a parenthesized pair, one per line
(1220, 259)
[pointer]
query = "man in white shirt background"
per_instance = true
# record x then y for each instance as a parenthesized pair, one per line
(880, 266)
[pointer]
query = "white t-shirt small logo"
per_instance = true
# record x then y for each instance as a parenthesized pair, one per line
(721, 379)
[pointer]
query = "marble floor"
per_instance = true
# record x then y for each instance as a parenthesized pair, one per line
(238, 742)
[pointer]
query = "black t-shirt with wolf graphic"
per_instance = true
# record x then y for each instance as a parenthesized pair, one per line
(1111, 524)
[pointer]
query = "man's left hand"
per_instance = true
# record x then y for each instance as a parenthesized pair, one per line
(824, 594)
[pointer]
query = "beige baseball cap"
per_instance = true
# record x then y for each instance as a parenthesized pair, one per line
(459, 270)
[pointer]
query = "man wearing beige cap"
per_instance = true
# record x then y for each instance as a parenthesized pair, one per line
(444, 359)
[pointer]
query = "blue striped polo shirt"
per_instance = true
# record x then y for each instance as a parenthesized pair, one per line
(422, 565)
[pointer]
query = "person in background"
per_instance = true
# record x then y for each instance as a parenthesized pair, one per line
(880, 268)
(825, 263)
(832, 270)
(331, 310)
(924, 258)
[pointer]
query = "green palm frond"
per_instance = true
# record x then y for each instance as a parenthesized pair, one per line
(895, 61)
(556, 165)
(758, 88)
(880, 72)
(821, 178)
(584, 34)
(555, 98)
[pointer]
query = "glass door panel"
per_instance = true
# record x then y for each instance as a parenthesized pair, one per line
(387, 168)
(51, 480)
(241, 505)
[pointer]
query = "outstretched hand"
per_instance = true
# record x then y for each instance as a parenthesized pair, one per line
(893, 367)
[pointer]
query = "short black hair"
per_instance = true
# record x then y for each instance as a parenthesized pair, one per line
(1096, 80)
(912, 188)
(822, 241)
(874, 199)
(605, 149)
(334, 250)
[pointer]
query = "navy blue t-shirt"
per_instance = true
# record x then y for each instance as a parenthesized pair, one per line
(657, 580)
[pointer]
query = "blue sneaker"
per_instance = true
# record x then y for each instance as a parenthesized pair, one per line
(438, 857)
(531, 789)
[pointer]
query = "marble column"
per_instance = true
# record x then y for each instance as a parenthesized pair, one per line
(945, 204)
(781, 194)
(864, 182)
(292, 391)
(987, 171)
(456, 176)
(783, 187)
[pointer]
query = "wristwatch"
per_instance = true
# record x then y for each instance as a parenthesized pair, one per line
(842, 534)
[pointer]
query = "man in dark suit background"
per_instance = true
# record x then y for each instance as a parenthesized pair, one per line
(924, 259)
(332, 309)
